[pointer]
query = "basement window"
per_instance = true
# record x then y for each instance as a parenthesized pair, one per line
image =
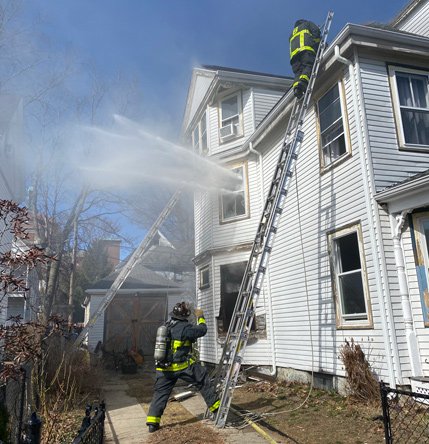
(410, 93)
(204, 277)
(349, 278)
(332, 135)
(234, 204)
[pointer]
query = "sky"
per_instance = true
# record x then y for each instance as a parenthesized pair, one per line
(160, 41)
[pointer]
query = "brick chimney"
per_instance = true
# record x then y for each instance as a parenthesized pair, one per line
(113, 250)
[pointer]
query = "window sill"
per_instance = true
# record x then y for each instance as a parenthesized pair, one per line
(411, 147)
(204, 287)
(339, 161)
(233, 219)
(232, 139)
(368, 325)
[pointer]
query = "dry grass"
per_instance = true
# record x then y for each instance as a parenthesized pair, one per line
(194, 433)
(65, 381)
(361, 381)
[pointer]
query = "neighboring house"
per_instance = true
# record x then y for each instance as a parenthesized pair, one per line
(156, 283)
(12, 186)
(350, 259)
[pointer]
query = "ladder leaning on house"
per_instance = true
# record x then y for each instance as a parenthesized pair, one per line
(227, 371)
(126, 270)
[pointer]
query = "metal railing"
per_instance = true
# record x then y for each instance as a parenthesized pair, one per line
(92, 428)
(405, 416)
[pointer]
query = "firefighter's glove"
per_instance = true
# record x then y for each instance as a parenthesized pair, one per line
(199, 313)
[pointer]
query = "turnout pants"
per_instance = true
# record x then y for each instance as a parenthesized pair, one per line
(302, 65)
(195, 374)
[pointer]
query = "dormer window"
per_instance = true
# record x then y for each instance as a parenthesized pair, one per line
(229, 117)
(199, 136)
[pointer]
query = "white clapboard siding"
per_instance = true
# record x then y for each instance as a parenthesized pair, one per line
(203, 209)
(303, 301)
(263, 101)
(418, 20)
(236, 232)
(202, 83)
(205, 301)
(96, 333)
(390, 164)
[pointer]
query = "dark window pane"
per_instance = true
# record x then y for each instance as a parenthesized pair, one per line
(352, 293)
(228, 204)
(328, 98)
(404, 89)
(229, 108)
(420, 90)
(333, 132)
(348, 247)
(240, 204)
(416, 126)
(330, 115)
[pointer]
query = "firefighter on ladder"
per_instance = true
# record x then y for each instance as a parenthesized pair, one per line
(304, 42)
(179, 364)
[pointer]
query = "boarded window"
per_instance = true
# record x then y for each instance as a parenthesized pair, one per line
(349, 277)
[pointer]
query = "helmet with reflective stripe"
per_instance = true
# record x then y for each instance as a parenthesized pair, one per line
(181, 311)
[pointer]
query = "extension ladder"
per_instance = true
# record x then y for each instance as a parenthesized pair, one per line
(228, 369)
(126, 270)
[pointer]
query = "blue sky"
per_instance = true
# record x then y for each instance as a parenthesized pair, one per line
(160, 41)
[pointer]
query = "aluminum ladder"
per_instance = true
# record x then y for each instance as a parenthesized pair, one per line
(126, 270)
(227, 371)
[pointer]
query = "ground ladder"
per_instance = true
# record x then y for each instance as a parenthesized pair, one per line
(227, 371)
(127, 268)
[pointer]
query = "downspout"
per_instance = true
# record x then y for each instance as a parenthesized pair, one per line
(374, 224)
(413, 350)
(268, 287)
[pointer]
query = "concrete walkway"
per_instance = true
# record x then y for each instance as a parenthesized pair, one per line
(126, 419)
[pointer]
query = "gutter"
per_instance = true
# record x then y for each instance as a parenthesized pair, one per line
(397, 224)
(386, 313)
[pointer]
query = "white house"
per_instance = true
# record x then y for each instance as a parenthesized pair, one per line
(350, 258)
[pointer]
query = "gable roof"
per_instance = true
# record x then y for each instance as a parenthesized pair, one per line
(200, 95)
(139, 278)
(406, 11)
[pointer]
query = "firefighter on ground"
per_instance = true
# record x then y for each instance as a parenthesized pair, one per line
(179, 363)
(304, 42)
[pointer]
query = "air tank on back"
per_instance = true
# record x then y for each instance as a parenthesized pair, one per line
(161, 343)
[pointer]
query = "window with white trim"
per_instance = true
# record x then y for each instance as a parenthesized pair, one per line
(204, 277)
(234, 204)
(410, 92)
(230, 117)
(331, 126)
(349, 278)
(199, 136)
